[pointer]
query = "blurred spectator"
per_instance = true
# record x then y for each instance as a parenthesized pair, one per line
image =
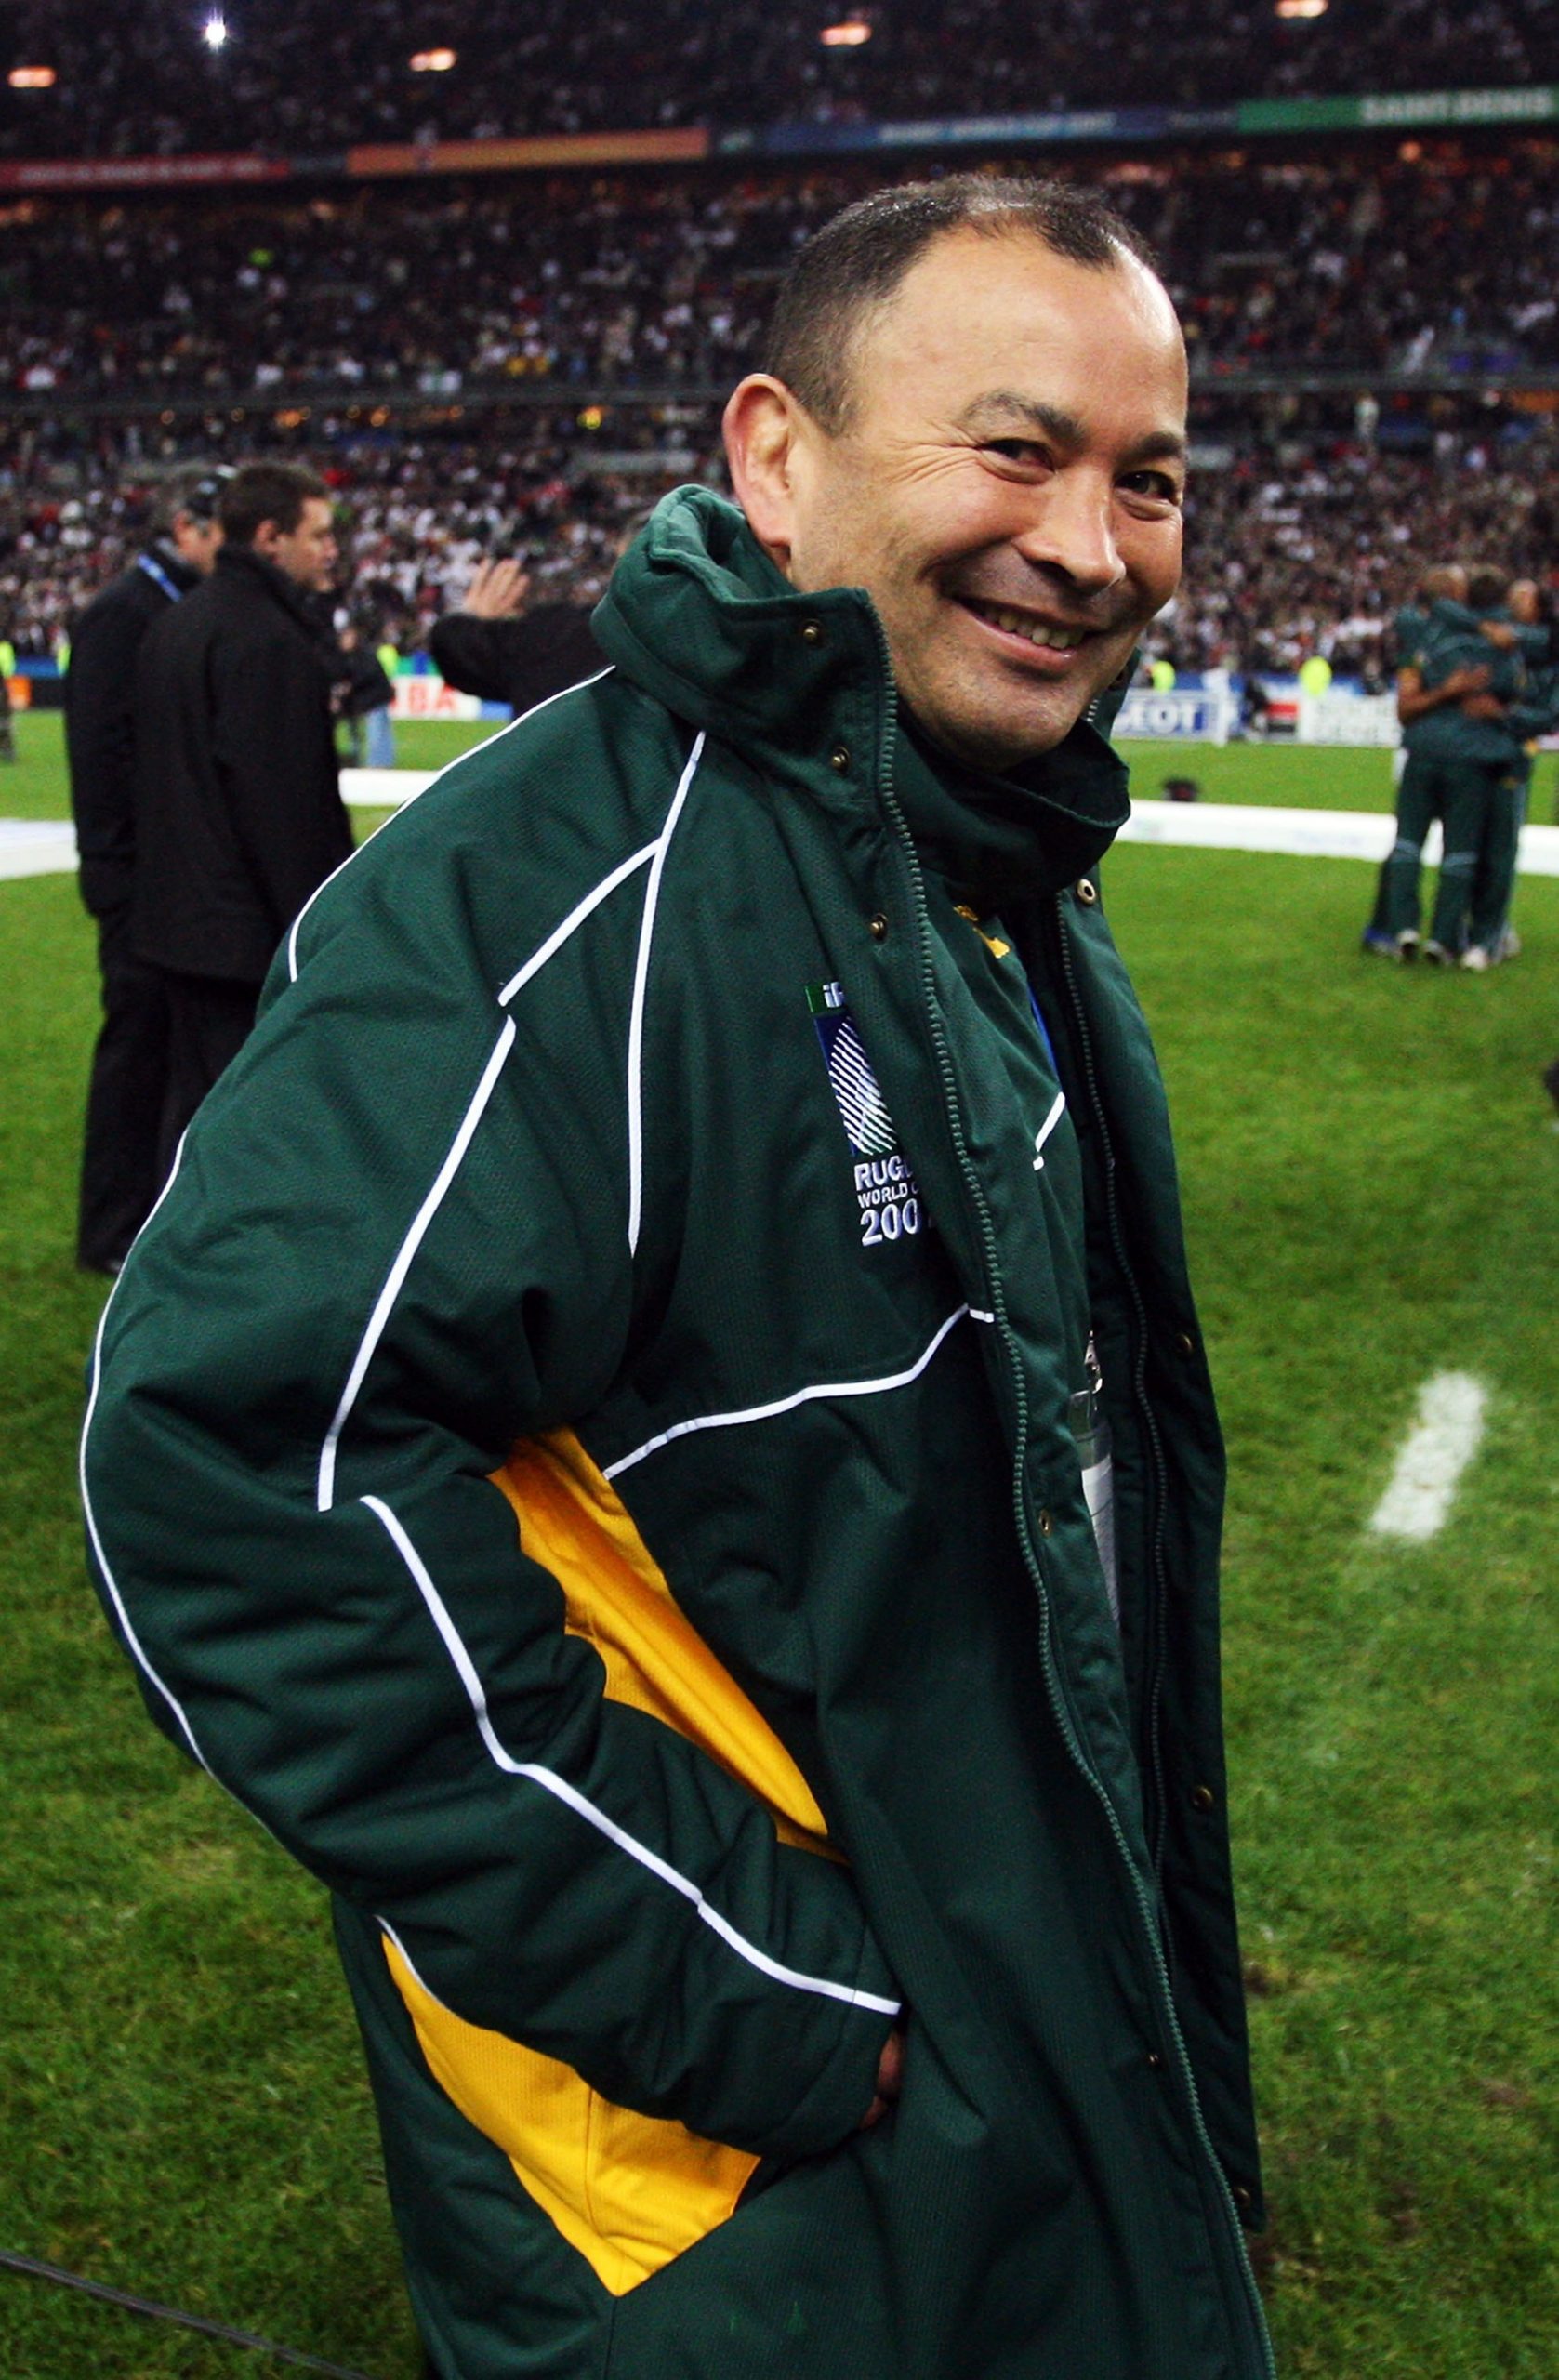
(119, 1175)
(238, 814)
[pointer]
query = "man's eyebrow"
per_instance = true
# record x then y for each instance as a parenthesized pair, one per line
(1001, 409)
(1161, 445)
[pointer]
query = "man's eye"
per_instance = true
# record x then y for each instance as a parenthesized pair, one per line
(1155, 483)
(1017, 450)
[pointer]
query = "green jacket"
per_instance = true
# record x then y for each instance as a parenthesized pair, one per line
(1452, 640)
(583, 1451)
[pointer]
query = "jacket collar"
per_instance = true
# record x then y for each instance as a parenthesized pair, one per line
(243, 566)
(699, 617)
(172, 566)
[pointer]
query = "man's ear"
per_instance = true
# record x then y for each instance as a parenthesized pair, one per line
(266, 539)
(764, 429)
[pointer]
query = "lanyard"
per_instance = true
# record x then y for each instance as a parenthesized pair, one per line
(155, 572)
(1044, 1031)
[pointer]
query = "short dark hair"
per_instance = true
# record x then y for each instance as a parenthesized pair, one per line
(1486, 587)
(195, 492)
(266, 492)
(856, 262)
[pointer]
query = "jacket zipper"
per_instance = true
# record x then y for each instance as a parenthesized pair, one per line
(1053, 1679)
(1159, 1576)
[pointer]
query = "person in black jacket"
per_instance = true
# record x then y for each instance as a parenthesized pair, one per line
(127, 1089)
(238, 809)
(492, 646)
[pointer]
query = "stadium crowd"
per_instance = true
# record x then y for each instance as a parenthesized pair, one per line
(1356, 259)
(1294, 545)
(299, 76)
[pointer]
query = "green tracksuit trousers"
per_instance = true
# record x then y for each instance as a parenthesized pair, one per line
(1494, 881)
(1463, 794)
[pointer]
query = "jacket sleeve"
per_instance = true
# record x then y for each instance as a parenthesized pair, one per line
(274, 755)
(473, 655)
(395, 1244)
(100, 737)
(519, 661)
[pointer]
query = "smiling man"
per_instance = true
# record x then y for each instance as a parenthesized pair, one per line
(659, 1438)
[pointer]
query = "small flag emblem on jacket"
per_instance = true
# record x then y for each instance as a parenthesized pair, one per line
(862, 1106)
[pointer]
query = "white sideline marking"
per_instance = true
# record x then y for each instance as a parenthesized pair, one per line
(1439, 1448)
(36, 849)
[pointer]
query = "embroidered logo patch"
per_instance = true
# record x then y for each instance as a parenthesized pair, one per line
(886, 1194)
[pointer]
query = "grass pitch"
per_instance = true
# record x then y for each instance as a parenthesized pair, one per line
(1372, 1188)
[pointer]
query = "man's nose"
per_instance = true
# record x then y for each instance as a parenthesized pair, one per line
(1073, 532)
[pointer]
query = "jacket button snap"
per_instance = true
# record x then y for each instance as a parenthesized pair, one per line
(1086, 893)
(1185, 1344)
(1047, 1522)
(1203, 1798)
(877, 927)
(811, 632)
(1155, 2059)
(1242, 2197)
(839, 758)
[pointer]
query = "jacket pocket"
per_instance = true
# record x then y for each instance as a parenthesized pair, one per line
(630, 2192)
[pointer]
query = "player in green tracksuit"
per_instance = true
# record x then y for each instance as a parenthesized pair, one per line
(601, 1447)
(1489, 935)
(1446, 582)
(1450, 697)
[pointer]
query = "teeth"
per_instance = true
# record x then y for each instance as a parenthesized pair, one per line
(1037, 632)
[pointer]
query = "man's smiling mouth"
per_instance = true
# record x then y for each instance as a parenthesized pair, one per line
(1048, 634)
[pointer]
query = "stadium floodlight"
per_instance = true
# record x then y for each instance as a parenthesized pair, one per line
(31, 78)
(432, 61)
(214, 32)
(848, 35)
(1301, 7)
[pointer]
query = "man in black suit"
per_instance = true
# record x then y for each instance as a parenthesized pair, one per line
(128, 1085)
(239, 815)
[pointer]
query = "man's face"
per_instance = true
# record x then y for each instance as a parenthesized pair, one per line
(1006, 485)
(195, 541)
(306, 554)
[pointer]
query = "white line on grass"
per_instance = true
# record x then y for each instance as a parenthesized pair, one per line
(1440, 1445)
(1210, 825)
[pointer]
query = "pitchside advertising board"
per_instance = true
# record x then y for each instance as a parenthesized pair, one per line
(426, 696)
(1191, 715)
(1257, 119)
(1202, 714)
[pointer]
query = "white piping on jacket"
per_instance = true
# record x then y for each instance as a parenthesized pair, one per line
(574, 1800)
(396, 1275)
(787, 1404)
(422, 1984)
(635, 1016)
(131, 1639)
(1058, 1110)
(575, 917)
(578, 687)
(404, 1255)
